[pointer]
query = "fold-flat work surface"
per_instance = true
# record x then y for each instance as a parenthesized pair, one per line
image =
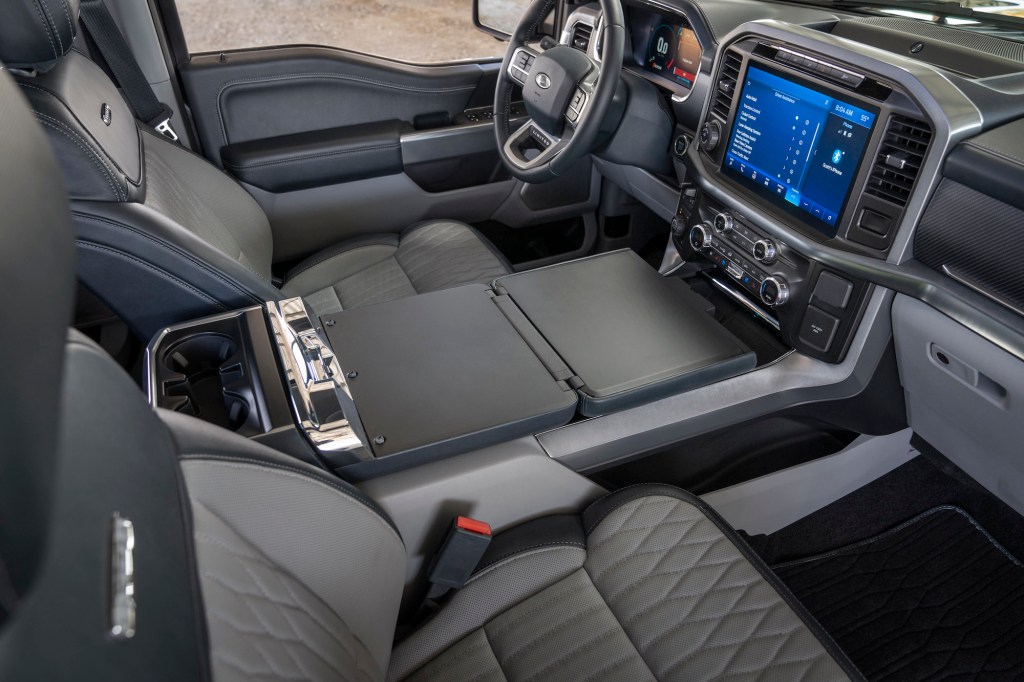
(444, 369)
(933, 598)
(622, 327)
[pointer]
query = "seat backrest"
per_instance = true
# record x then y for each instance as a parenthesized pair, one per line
(137, 545)
(185, 237)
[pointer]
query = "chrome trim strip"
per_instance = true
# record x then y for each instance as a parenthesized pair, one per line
(122, 577)
(743, 301)
(320, 397)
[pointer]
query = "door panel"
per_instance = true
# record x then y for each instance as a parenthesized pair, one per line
(281, 91)
(335, 144)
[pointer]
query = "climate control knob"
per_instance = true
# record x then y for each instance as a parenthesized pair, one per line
(774, 291)
(724, 222)
(710, 135)
(700, 236)
(765, 251)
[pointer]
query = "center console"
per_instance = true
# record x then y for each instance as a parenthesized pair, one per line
(377, 389)
(824, 150)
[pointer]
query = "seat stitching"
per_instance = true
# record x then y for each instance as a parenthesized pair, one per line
(71, 26)
(53, 25)
(558, 593)
(46, 28)
(57, 126)
(158, 271)
(566, 543)
(184, 254)
(283, 469)
(284, 578)
(509, 560)
(548, 631)
(307, 157)
(576, 649)
(331, 256)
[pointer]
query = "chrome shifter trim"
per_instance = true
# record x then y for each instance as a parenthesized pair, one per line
(318, 391)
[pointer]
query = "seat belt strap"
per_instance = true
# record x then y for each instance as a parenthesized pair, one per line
(103, 31)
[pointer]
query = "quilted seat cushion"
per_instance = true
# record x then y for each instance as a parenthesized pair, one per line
(426, 257)
(662, 591)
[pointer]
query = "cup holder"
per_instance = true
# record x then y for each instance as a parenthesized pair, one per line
(205, 377)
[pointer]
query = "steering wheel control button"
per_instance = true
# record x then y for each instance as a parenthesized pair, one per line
(765, 251)
(774, 291)
(710, 135)
(700, 237)
(818, 329)
(724, 222)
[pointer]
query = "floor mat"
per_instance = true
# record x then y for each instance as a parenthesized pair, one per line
(935, 598)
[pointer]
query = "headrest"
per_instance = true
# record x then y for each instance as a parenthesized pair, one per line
(36, 33)
(37, 262)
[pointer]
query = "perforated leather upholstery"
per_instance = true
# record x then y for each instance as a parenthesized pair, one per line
(660, 593)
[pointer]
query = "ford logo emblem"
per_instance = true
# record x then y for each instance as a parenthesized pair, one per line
(543, 81)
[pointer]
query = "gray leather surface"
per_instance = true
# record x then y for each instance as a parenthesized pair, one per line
(264, 623)
(35, 249)
(207, 202)
(694, 607)
(426, 257)
(100, 162)
(36, 33)
(349, 561)
(488, 594)
(663, 594)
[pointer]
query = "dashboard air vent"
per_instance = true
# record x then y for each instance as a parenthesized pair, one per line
(899, 159)
(727, 78)
(581, 36)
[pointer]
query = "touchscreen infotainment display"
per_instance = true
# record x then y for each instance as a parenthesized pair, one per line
(797, 145)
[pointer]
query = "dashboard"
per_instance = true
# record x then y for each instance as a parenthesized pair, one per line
(809, 144)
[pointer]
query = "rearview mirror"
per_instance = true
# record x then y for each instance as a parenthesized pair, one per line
(498, 17)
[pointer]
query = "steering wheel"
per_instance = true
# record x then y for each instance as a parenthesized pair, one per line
(567, 95)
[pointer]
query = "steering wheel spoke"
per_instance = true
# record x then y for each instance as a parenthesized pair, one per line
(531, 146)
(522, 62)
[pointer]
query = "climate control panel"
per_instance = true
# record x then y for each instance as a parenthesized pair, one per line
(813, 309)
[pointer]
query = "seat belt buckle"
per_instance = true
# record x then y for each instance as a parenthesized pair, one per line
(460, 554)
(162, 124)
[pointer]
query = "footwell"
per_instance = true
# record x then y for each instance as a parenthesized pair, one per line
(935, 598)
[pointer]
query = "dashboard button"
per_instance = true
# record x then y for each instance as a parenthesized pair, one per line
(818, 329)
(832, 290)
(774, 291)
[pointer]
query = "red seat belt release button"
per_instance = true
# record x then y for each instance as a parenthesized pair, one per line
(461, 553)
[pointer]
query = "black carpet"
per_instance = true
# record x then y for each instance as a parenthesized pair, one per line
(935, 598)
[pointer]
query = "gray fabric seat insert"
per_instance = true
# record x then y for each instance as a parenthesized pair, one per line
(373, 269)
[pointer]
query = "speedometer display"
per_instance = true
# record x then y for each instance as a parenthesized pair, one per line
(673, 52)
(666, 47)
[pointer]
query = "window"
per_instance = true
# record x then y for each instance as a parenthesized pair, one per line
(409, 30)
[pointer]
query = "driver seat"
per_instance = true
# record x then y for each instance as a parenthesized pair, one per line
(164, 236)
